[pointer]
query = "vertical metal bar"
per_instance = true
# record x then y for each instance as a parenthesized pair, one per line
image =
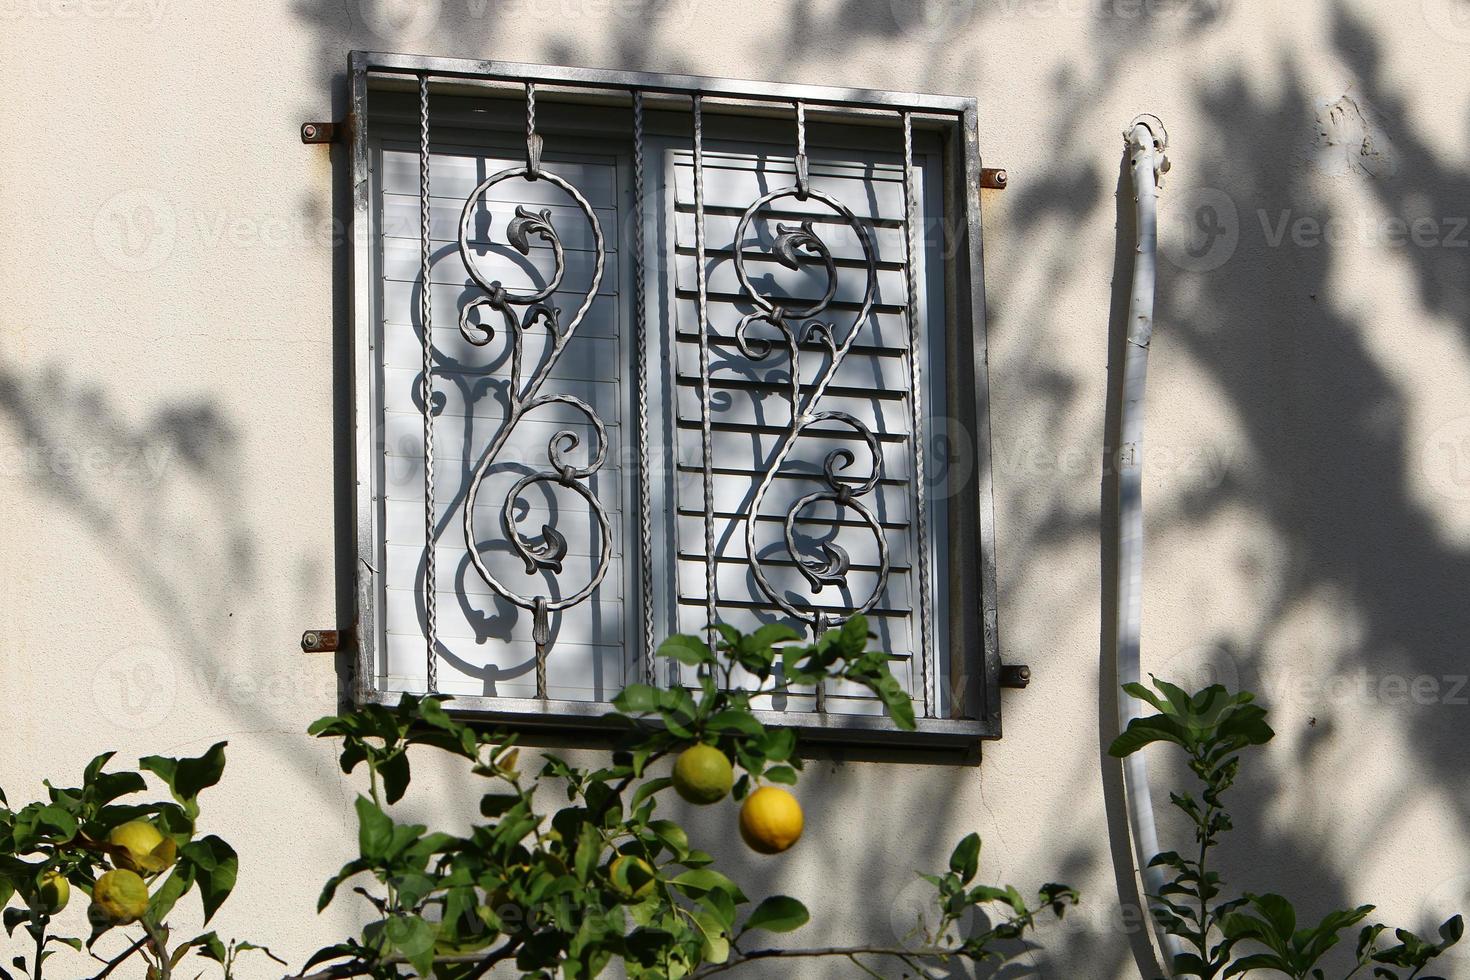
(981, 690)
(640, 346)
(803, 166)
(366, 450)
(702, 279)
(803, 189)
(426, 392)
(916, 409)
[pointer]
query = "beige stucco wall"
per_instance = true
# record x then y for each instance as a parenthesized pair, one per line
(171, 514)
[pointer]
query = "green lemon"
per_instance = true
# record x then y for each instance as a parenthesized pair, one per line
(120, 897)
(632, 877)
(144, 849)
(55, 892)
(702, 774)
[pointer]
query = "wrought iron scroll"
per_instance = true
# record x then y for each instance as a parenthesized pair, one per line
(801, 322)
(524, 395)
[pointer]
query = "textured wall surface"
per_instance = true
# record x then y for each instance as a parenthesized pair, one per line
(170, 348)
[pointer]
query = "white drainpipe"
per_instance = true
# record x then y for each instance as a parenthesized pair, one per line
(1146, 161)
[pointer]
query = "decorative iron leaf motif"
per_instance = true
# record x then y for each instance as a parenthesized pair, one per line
(527, 223)
(791, 238)
(548, 553)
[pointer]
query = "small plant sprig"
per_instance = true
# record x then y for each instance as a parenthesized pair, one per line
(134, 860)
(606, 877)
(1213, 727)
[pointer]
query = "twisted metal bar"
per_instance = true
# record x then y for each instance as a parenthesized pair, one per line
(640, 327)
(803, 167)
(426, 391)
(706, 437)
(533, 139)
(916, 407)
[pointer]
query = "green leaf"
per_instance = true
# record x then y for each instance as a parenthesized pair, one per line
(1278, 914)
(1145, 731)
(777, 744)
(779, 913)
(57, 819)
(714, 947)
(782, 774)
(689, 650)
(672, 835)
(637, 699)
(414, 938)
(900, 706)
(395, 774)
(374, 829)
(852, 638)
(649, 788)
(738, 721)
(1178, 700)
(210, 947)
(965, 861)
(166, 896)
(187, 778)
(1141, 693)
(1450, 931)
(218, 867)
(696, 882)
(589, 849)
(773, 633)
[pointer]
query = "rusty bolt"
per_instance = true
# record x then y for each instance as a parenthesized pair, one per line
(319, 641)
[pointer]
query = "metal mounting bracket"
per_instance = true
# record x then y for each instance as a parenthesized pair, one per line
(320, 641)
(1016, 676)
(321, 132)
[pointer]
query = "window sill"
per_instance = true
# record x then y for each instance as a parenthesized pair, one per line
(877, 731)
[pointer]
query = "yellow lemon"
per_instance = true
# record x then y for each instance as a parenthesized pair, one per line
(632, 877)
(770, 820)
(145, 850)
(702, 774)
(55, 892)
(121, 896)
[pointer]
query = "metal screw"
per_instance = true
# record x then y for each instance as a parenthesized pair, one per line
(308, 131)
(993, 178)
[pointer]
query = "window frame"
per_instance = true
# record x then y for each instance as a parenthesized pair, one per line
(971, 621)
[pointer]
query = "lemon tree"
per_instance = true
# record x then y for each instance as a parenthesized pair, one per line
(133, 860)
(564, 891)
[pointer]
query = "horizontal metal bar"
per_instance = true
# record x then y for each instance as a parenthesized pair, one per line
(607, 78)
(552, 715)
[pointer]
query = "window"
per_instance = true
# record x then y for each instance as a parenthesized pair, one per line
(614, 426)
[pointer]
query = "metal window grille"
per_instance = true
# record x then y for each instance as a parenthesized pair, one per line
(683, 511)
